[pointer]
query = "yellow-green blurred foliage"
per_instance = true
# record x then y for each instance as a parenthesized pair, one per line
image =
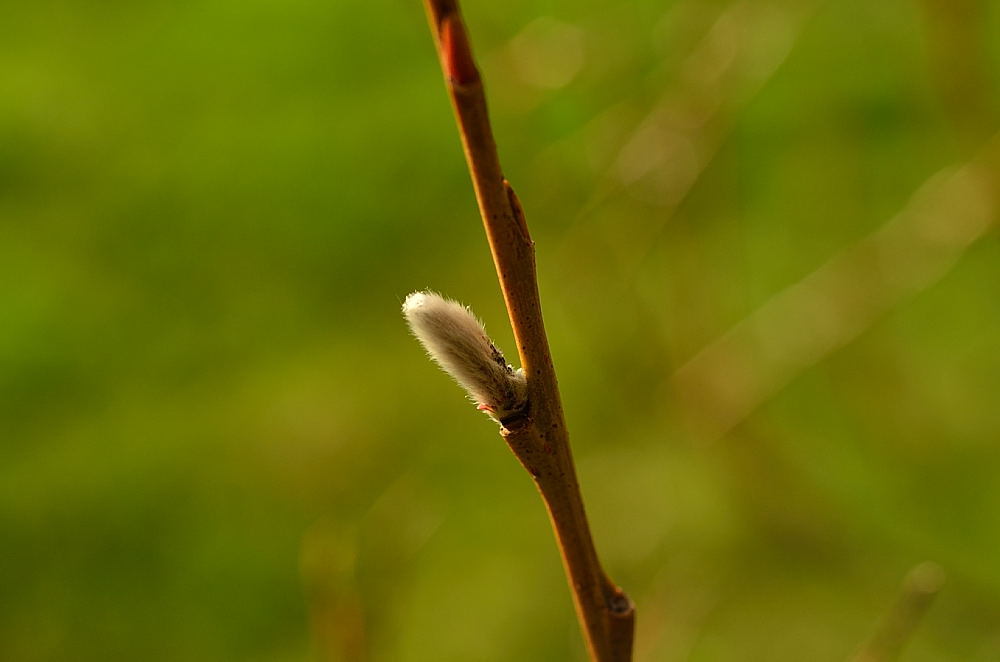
(769, 264)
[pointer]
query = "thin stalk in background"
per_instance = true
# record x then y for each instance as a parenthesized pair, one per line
(919, 589)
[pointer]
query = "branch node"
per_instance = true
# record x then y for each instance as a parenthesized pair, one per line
(518, 211)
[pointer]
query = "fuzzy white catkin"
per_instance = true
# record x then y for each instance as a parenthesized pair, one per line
(457, 342)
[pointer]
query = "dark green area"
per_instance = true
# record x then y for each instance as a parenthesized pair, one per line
(218, 441)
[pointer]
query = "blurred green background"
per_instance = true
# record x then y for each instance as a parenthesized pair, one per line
(771, 275)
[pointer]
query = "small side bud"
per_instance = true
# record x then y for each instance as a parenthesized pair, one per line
(457, 342)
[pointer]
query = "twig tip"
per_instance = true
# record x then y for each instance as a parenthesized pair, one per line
(456, 53)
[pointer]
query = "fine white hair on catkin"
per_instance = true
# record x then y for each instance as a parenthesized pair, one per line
(456, 340)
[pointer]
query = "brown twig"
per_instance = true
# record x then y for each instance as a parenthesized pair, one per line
(539, 439)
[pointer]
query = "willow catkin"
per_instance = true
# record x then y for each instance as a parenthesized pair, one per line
(456, 340)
